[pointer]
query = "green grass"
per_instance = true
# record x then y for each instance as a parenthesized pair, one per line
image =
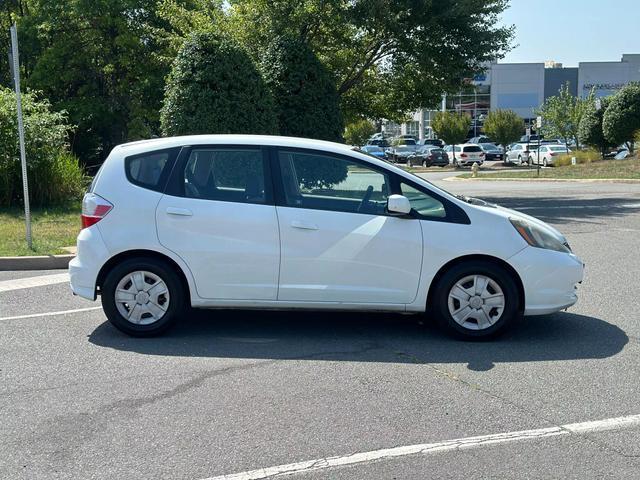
(605, 169)
(52, 229)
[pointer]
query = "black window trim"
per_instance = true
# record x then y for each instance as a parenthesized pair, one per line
(454, 214)
(173, 152)
(175, 185)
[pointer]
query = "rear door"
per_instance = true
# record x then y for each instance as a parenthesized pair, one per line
(338, 242)
(218, 215)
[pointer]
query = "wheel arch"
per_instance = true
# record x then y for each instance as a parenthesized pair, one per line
(487, 258)
(142, 253)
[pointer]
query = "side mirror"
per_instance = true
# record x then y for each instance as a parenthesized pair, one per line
(398, 205)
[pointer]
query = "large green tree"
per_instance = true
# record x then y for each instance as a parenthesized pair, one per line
(387, 57)
(562, 113)
(621, 122)
(305, 95)
(503, 126)
(214, 87)
(591, 132)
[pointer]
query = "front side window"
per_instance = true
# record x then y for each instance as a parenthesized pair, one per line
(422, 203)
(324, 182)
(228, 175)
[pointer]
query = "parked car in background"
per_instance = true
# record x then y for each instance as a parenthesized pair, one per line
(241, 221)
(465, 155)
(517, 153)
(480, 140)
(429, 155)
(436, 142)
(400, 150)
(374, 150)
(492, 151)
(546, 154)
(379, 142)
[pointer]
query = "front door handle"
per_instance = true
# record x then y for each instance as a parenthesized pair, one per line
(304, 225)
(183, 212)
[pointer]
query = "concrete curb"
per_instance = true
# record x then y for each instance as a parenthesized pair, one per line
(45, 262)
(566, 180)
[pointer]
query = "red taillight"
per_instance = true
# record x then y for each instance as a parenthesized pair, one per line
(553, 154)
(463, 155)
(94, 209)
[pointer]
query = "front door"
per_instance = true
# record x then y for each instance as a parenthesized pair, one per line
(218, 216)
(338, 243)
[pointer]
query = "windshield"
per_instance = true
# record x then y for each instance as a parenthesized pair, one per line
(489, 146)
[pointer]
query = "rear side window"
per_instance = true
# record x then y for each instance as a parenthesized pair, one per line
(472, 149)
(151, 169)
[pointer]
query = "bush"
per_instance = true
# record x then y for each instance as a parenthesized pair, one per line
(622, 117)
(306, 99)
(582, 156)
(54, 174)
(358, 132)
(590, 131)
(214, 87)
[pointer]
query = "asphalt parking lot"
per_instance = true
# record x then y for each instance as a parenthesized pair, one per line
(236, 392)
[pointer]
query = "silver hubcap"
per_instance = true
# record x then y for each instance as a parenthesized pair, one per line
(476, 302)
(142, 297)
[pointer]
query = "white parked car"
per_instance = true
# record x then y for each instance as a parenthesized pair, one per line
(547, 154)
(259, 222)
(465, 155)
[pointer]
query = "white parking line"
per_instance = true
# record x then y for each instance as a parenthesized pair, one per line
(48, 314)
(427, 448)
(39, 281)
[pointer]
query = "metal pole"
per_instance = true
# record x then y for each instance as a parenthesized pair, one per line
(23, 156)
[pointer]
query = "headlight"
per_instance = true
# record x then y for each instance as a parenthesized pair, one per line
(538, 237)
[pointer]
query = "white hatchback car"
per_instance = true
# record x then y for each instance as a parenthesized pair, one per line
(240, 221)
(465, 155)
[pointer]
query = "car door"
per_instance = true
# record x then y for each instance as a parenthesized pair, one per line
(338, 244)
(218, 215)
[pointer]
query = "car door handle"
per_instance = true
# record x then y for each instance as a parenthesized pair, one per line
(183, 212)
(304, 225)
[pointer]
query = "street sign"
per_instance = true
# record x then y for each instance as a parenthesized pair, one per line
(598, 104)
(539, 122)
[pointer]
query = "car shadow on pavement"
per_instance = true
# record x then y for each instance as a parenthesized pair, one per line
(562, 210)
(367, 337)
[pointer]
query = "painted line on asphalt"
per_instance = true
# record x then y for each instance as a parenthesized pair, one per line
(428, 448)
(29, 282)
(49, 314)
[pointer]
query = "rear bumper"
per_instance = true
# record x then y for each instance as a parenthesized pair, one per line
(84, 268)
(550, 279)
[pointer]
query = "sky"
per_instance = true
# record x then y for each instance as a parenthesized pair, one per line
(573, 31)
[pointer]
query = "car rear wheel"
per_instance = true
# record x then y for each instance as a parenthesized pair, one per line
(142, 297)
(476, 300)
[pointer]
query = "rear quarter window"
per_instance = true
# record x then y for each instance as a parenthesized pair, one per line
(151, 170)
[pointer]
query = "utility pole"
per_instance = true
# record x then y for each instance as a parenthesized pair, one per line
(23, 156)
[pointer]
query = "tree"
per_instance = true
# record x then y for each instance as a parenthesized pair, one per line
(451, 127)
(621, 120)
(561, 114)
(54, 174)
(503, 126)
(305, 96)
(591, 132)
(214, 87)
(359, 131)
(387, 58)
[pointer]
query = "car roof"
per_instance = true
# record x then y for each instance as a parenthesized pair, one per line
(270, 140)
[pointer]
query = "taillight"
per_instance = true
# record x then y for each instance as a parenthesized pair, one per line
(482, 154)
(463, 155)
(94, 209)
(553, 154)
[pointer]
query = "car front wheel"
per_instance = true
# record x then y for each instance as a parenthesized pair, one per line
(142, 297)
(476, 300)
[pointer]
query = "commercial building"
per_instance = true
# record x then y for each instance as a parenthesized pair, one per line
(523, 88)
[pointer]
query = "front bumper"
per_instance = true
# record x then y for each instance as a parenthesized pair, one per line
(84, 268)
(549, 278)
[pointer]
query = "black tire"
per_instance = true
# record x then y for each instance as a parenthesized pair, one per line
(174, 286)
(440, 299)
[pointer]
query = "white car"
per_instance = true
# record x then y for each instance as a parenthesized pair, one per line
(465, 155)
(260, 222)
(547, 153)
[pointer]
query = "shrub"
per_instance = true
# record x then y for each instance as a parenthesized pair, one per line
(590, 130)
(306, 98)
(582, 156)
(622, 117)
(358, 132)
(214, 87)
(54, 174)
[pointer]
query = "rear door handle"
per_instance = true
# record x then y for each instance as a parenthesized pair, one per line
(304, 225)
(183, 212)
